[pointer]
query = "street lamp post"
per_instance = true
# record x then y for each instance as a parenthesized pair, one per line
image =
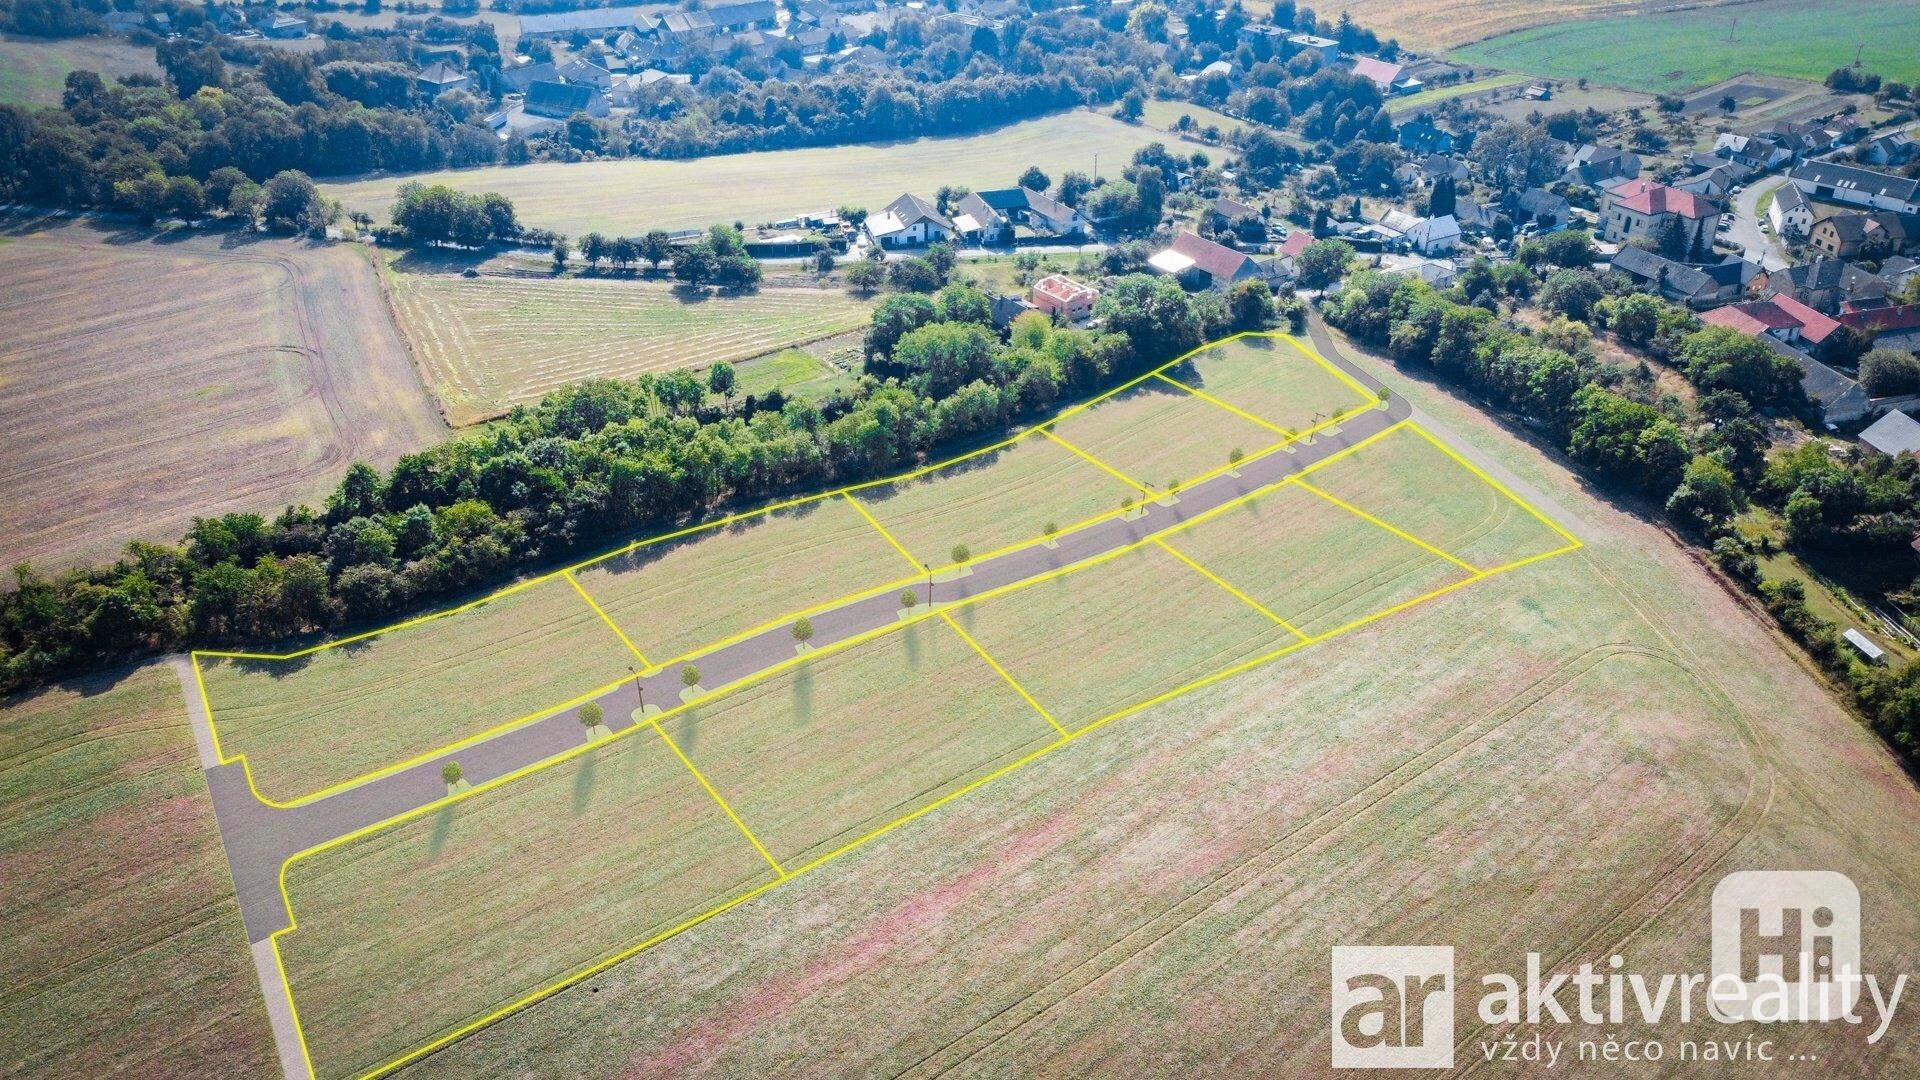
(929, 569)
(639, 690)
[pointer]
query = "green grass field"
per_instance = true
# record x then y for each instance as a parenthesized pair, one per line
(407, 934)
(491, 343)
(1273, 380)
(333, 715)
(1156, 433)
(1429, 98)
(1411, 484)
(629, 197)
(682, 595)
(820, 755)
(125, 951)
(1310, 562)
(794, 372)
(999, 499)
(33, 71)
(1115, 634)
(1676, 51)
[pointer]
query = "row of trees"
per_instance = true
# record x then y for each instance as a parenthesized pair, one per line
(587, 464)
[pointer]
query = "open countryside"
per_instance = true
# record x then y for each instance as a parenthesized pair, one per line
(857, 538)
(1664, 52)
(628, 197)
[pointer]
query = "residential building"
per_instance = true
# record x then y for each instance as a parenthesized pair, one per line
(1865, 236)
(1643, 209)
(1715, 183)
(285, 27)
(1200, 263)
(1779, 317)
(1697, 287)
(1593, 165)
(1542, 207)
(753, 15)
(985, 214)
(1893, 434)
(1389, 77)
(1434, 235)
(558, 101)
(1825, 284)
(1064, 298)
(595, 22)
(1420, 136)
(1752, 152)
(1327, 49)
(909, 221)
(1896, 148)
(1831, 182)
(1893, 327)
(1791, 213)
(1004, 309)
(440, 77)
(587, 73)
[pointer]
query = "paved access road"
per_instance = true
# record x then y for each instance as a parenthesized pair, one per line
(260, 839)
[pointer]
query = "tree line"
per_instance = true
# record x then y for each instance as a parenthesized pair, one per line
(587, 465)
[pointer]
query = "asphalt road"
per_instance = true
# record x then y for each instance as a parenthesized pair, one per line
(1747, 232)
(259, 839)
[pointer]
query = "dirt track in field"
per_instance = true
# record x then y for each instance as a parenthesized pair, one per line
(147, 380)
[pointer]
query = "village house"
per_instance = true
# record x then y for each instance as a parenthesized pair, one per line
(1893, 327)
(909, 221)
(1593, 165)
(1390, 78)
(1827, 181)
(1894, 149)
(1715, 183)
(1791, 213)
(1697, 287)
(1780, 317)
(587, 73)
(1825, 284)
(1063, 298)
(1199, 263)
(1327, 49)
(285, 27)
(986, 214)
(594, 22)
(1545, 209)
(1643, 209)
(1893, 434)
(441, 77)
(1865, 236)
(1420, 136)
(558, 101)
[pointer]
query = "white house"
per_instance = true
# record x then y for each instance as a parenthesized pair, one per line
(1791, 213)
(1831, 182)
(909, 221)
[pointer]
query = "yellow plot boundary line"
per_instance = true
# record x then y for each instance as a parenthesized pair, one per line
(765, 511)
(605, 618)
(1237, 594)
(1402, 534)
(1211, 400)
(654, 721)
(1097, 463)
(882, 530)
(1004, 674)
(1067, 737)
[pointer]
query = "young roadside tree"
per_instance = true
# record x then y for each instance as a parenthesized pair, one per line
(908, 598)
(451, 773)
(591, 714)
(803, 630)
(1235, 456)
(1049, 530)
(961, 555)
(689, 676)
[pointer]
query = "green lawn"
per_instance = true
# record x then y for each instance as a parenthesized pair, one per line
(1425, 98)
(333, 715)
(1272, 379)
(1412, 485)
(125, 954)
(1676, 51)
(1164, 114)
(33, 71)
(996, 500)
(631, 196)
(676, 597)
(794, 372)
(409, 933)
(823, 754)
(1157, 433)
(1112, 635)
(1310, 562)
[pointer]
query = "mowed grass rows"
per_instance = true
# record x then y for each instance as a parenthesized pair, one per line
(336, 713)
(492, 343)
(813, 761)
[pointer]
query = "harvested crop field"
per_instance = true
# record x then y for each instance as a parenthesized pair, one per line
(125, 951)
(33, 71)
(146, 380)
(1438, 24)
(332, 715)
(629, 197)
(490, 343)
(1562, 759)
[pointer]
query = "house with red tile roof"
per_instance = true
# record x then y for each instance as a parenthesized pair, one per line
(1200, 263)
(1642, 209)
(1780, 317)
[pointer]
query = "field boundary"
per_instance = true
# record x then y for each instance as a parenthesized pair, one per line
(1067, 735)
(1369, 401)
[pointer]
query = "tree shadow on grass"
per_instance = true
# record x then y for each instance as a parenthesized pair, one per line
(442, 830)
(803, 695)
(583, 779)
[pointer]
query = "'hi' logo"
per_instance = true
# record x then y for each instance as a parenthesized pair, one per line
(1782, 941)
(1393, 1007)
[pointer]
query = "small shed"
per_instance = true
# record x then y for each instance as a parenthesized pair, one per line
(1893, 434)
(1871, 653)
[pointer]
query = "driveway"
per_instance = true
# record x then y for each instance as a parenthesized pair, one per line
(1749, 233)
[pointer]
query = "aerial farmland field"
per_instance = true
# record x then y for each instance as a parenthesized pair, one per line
(1677, 51)
(490, 343)
(629, 197)
(250, 381)
(1438, 25)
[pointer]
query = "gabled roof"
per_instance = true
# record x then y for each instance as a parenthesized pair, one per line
(1780, 312)
(1192, 251)
(974, 214)
(1825, 273)
(1679, 277)
(1295, 243)
(1381, 72)
(553, 96)
(1647, 197)
(1849, 178)
(741, 14)
(911, 209)
(1232, 208)
(560, 22)
(1904, 318)
(1893, 434)
(441, 73)
(1790, 197)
